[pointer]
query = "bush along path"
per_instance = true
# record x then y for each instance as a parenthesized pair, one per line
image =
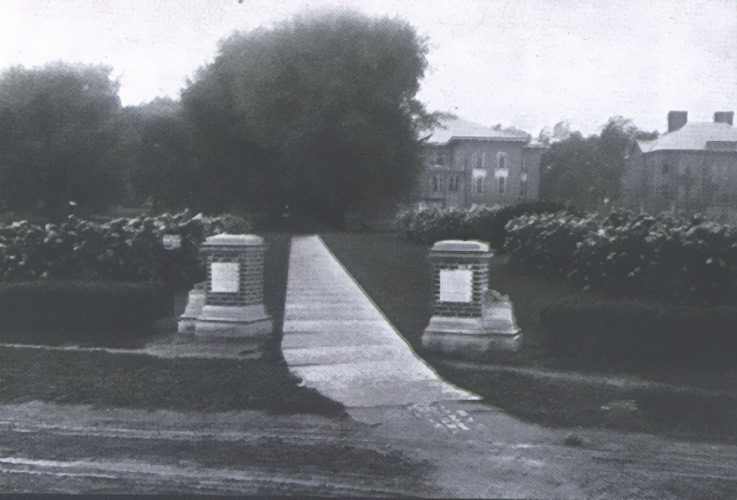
(123, 249)
(431, 224)
(676, 260)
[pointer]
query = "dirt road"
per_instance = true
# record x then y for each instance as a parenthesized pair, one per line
(442, 449)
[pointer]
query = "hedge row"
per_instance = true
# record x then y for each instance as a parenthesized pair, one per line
(686, 261)
(84, 308)
(122, 249)
(431, 224)
(623, 333)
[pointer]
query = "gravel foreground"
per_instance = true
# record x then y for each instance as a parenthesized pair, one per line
(451, 449)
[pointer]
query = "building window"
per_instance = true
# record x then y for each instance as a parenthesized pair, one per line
(435, 184)
(523, 186)
(479, 175)
(501, 159)
(666, 193)
(453, 183)
(666, 169)
(502, 184)
(479, 163)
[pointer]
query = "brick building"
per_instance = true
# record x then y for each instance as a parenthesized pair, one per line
(690, 169)
(467, 164)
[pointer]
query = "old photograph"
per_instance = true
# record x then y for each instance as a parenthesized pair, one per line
(369, 248)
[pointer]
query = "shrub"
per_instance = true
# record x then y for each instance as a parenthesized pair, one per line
(431, 224)
(124, 249)
(632, 332)
(87, 308)
(684, 261)
(490, 224)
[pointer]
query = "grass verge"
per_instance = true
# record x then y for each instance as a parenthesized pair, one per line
(562, 403)
(140, 381)
(105, 379)
(397, 276)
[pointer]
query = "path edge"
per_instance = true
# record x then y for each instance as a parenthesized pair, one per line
(472, 396)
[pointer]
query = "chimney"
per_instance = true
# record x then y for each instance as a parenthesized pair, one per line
(676, 120)
(724, 117)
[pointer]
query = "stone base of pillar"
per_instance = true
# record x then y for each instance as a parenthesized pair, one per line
(494, 331)
(234, 321)
(195, 303)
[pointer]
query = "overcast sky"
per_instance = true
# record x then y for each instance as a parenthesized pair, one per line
(527, 63)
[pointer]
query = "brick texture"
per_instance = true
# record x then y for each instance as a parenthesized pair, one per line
(251, 279)
(479, 265)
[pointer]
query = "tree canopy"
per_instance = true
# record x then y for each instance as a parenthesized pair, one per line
(156, 150)
(587, 171)
(318, 113)
(56, 126)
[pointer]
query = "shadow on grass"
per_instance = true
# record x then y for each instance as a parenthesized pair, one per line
(139, 381)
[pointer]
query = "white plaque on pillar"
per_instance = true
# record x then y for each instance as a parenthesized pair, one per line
(225, 277)
(456, 285)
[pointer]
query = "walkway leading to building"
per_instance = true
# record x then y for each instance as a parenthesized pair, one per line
(338, 342)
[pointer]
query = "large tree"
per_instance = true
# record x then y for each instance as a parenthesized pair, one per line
(318, 113)
(56, 125)
(588, 171)
(156, 152)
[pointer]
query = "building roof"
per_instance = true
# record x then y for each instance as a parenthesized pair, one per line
(455, 129)
(693, 136)
(534, 143)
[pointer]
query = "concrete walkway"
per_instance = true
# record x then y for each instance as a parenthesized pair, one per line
(338, 342)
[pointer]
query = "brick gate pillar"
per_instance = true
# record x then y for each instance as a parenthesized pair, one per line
(468, 318)
(234, 290)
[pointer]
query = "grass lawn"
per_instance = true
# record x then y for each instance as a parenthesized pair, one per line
(140, 381)
(397, 276)
(399, 280)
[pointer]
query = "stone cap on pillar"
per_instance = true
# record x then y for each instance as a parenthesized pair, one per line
(461, 247)
(233, 240)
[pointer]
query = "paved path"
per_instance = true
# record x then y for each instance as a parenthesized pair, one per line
(339, 343)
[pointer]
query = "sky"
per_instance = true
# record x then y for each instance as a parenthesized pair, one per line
(522, 63)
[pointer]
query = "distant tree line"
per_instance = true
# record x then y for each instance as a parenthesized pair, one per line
(587, 171)
(317, 113)
(57, 135)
